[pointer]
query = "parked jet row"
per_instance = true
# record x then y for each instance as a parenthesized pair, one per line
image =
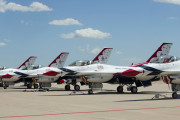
(96, 74)
(158, 66)
(11, 76)
(46, 75)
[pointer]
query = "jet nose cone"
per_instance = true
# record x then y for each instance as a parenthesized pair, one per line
(130, 73)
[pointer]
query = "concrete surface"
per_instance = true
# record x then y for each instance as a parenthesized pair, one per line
(58, 104)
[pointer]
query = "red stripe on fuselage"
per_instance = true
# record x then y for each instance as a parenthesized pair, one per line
(130, 73)
(7, 76)
(51, 73)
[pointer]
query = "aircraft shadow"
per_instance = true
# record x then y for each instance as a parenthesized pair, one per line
(156, 99)
(142, 92)
(18, 88)
(50, 89)
(108, 92)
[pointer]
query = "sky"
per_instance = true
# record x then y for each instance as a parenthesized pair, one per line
(45, 28)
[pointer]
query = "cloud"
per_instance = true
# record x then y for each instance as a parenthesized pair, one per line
(86, 33)
(177, 2)
(95, 51)
(133, 60)
(89, 49)
(24, 22)
(33, 7)
(82, 49)
(68, 21)
(68, 36)
(2, 44)
(118, 52)
(172, 18)
(6, 40)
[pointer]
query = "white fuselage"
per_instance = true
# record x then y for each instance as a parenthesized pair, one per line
(97, 73)
(170, 69)
(40, 73)
(45, 74)
(9, 72)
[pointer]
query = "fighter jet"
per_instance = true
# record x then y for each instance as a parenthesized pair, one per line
(166, 68)
(8, 77)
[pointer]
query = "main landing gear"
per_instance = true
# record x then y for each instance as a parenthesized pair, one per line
(76, 87)
(133, 89)
(33, 83)
(175, 88)
(94, 86)
(4, 85)
(174, 95)
(120, 89)
(90, 91)
(67, 87)
(30, 85)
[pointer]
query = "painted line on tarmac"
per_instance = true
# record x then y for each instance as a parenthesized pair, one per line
(88, 112)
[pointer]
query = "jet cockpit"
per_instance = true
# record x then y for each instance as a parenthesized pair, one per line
(80, 63)
(164, 59)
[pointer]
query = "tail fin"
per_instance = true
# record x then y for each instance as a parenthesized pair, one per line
(103, 56)
(30, 61)
(60, 60)
(163, 50)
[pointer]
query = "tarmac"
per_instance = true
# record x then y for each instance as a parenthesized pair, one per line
(19, 103)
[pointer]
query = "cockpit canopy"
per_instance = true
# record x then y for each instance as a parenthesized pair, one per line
(80, 63)
(164, 59)
(32, 67)
(2, 68)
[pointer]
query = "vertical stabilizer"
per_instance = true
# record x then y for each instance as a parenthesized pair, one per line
(163, 50)
(30, 61)
(60, 60)
(103, 56)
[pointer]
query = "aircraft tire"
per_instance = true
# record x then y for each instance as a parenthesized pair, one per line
(40, 86)
(29, 86)
(174, 95)
(90, 91)
(1, 84)
(77, 87)
(120, 89)
(67, 87)
(5, 87)
(134, 89)
(36, 86)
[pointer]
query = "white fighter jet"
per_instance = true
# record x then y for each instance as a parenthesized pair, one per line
(101, 58)
(8, 77)
(166, 68)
